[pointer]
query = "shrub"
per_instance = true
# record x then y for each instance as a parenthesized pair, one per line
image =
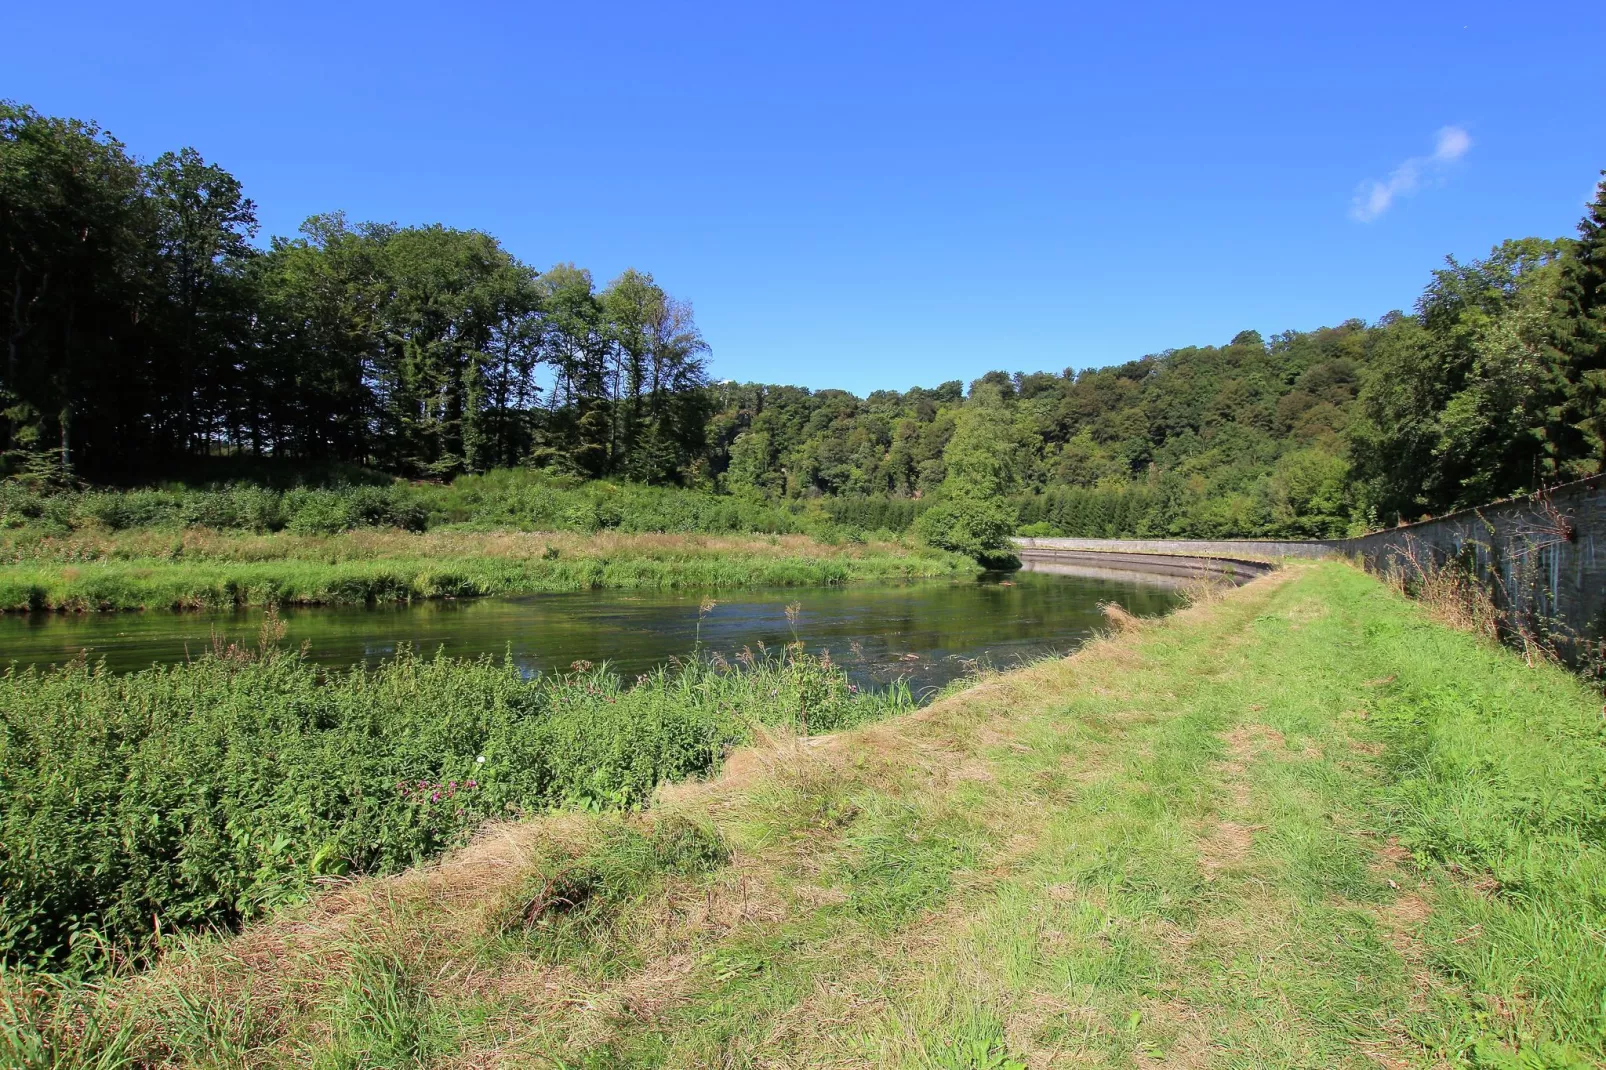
(976, 527)
(317, 512)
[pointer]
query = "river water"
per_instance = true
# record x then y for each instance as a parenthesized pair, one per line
(928, 631)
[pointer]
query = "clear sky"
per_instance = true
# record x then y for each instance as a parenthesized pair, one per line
(872, 195)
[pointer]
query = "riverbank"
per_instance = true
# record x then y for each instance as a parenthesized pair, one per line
(1301, 825)
(199, 568)
(198, 795)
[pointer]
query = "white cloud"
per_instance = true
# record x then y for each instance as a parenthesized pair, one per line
(1373, 198)
(1453, 144)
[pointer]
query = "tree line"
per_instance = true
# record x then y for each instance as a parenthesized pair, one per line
(1494, 385)
(146, 332)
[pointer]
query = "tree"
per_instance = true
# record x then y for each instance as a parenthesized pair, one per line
(974, 526)
(321, 298)
(677, 397)
(1459, 403)
(1580, 336)
(631, 305)
(74, 240)
(203, 226)
(984, 457)
(576, 347)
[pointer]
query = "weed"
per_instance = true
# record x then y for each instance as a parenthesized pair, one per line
(206, 793)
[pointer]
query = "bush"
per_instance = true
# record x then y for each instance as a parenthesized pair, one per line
(973, 526)
(317, 512)
(239, 506)
(522, 499)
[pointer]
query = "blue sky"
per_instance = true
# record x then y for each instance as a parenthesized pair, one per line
(882, 195)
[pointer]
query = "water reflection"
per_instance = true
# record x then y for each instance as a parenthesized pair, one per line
(927, 631)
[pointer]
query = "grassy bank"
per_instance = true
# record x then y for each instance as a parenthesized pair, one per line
(191, 568)
(200, 794)
(1301, 826)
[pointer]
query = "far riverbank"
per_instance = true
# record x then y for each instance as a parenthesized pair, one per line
(203, 569)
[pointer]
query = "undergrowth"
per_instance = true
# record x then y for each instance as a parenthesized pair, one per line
(206, 793)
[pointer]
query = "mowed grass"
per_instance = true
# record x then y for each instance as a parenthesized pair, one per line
(1303, 826)
(196, 568)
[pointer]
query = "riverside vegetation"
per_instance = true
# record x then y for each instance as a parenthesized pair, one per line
(199, 570)
(501, 533)
(1357, 838)
(201, 794)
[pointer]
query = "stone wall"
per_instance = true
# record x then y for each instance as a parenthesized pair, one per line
(1543, 557)
(1176, 566)
(1247, 548)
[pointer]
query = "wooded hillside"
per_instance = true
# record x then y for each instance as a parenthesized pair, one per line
(149, 339)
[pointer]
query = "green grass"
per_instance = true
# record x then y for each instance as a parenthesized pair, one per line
(202, 569)
(503, 532)
(1301, 826)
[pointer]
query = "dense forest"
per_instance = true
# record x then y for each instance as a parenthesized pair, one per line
(151, 337)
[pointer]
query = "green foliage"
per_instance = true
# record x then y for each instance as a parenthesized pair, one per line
(682, 845)
(983, 459)
(1461, 403)
(519, 499)
(978, 1053)
(382, 1017)
(204, 793)
(977, 527)
(867, 513)
(1491, 780)
(333, 571)
(1579, 321)
(144, 330)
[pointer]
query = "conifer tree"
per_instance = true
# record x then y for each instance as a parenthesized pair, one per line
(1580, 331)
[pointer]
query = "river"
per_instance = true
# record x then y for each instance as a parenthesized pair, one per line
(928, 631)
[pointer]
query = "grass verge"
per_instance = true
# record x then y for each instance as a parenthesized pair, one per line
(1304, 825)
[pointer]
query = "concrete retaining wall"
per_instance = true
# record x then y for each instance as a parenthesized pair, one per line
(1178, 566)
(1543, 557)
(1267, 548)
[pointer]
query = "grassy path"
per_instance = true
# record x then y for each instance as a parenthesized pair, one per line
(1302, 826)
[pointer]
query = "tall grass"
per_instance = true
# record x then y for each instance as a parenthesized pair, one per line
(201, 794)
(197, 570)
